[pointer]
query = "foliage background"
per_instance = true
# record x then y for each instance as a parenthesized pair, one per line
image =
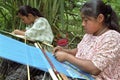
(63, 15)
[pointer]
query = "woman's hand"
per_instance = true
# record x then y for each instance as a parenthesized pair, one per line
(18, 32)
(58, 48)
(15, 31)
(61, 56)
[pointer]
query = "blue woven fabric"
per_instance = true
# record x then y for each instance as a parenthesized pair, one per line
(17, 51)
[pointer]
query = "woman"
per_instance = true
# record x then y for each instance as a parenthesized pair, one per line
(99, 51)
(39, 29)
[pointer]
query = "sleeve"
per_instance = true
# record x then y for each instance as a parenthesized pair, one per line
(37, 29)
(106, 53)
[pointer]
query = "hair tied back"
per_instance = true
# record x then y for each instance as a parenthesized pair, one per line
(108, 9)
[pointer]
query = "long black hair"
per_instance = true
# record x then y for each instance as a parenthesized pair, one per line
(26, 9)
(95, 7)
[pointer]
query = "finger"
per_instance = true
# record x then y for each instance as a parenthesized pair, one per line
(55, 50)
(54, 54)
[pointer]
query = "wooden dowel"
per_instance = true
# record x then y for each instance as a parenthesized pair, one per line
(54, 77)
(28, 68)
(59, 76)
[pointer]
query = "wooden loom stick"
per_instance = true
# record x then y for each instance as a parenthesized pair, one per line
(58, 75)
(55, 71)
(28, 68)
(23, 38)
(16, 36)
(64, 76)
(54, 77)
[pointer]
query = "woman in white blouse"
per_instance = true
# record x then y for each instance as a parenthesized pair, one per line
(39, 28)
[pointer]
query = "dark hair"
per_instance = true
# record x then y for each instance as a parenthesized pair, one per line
(95, 7)
(25, 10)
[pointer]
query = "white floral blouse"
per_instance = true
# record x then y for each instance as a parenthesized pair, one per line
(40, 31)
(104, 52)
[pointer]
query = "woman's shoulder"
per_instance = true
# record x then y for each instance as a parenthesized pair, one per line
(41, 19)
(112, 33)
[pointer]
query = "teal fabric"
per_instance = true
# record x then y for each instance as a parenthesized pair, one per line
(17, 51)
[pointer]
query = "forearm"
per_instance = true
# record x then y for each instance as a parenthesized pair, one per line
(71, 51)
(19, 32)
(84, 65)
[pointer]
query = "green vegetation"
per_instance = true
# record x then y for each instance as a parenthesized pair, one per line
(63, 16)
